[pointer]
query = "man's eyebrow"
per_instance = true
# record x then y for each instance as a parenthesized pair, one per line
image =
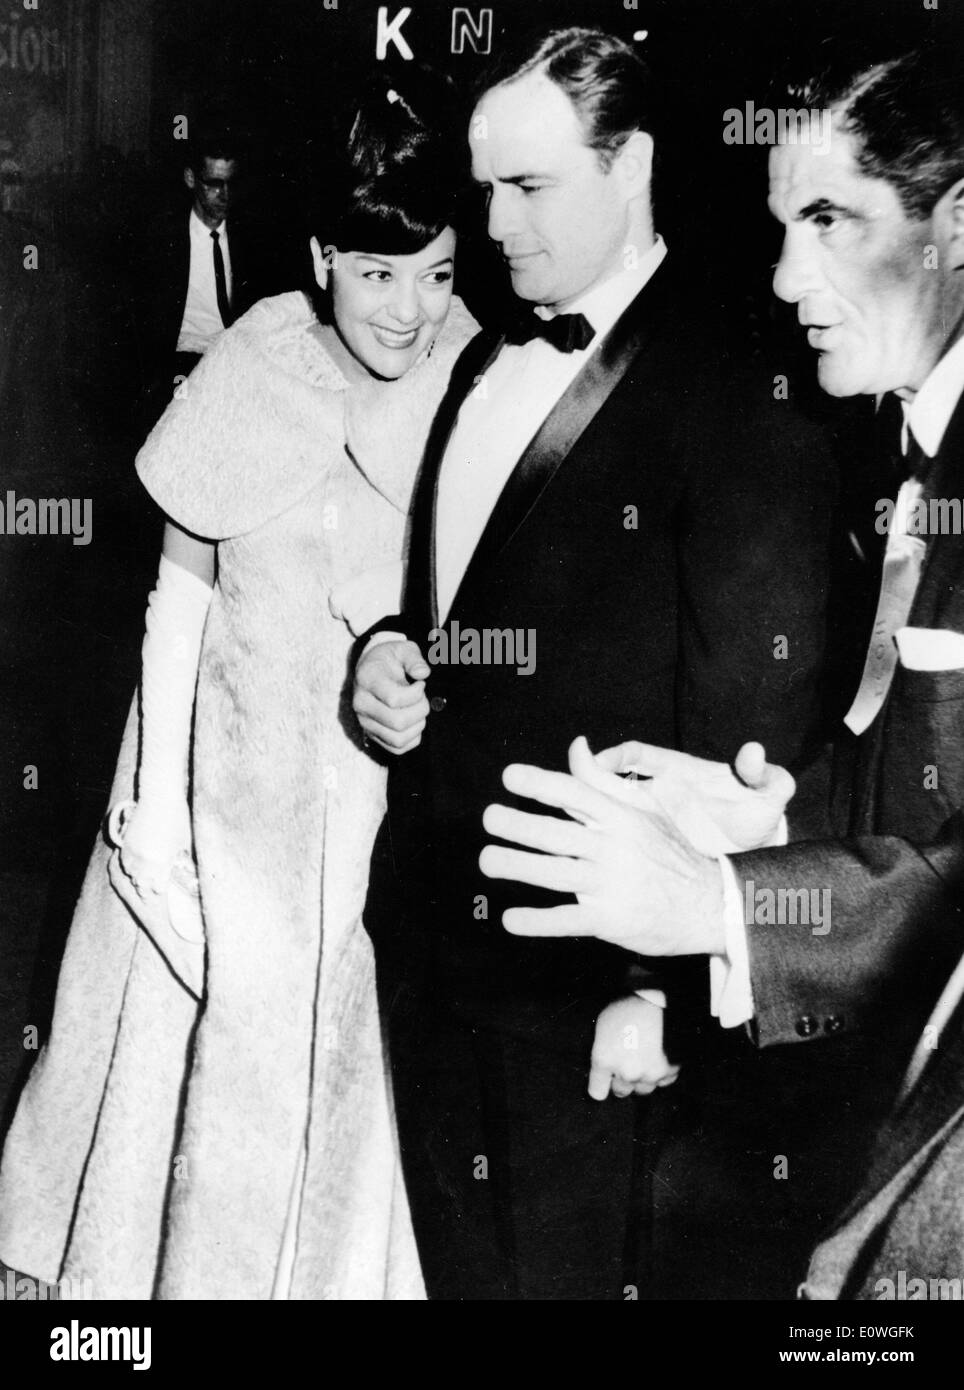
(818, 205)
(518, 178)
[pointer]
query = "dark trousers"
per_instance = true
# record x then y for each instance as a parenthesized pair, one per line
(521, 1186)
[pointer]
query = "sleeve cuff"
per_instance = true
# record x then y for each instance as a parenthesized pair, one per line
(652, 996)
(731, 995)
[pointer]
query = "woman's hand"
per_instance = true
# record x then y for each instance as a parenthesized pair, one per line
(150, 836)
(627, 1052)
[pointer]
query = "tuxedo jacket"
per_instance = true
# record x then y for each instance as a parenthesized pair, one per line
(663, 539)
(895, 881)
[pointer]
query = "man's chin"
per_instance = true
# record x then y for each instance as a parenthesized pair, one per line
(834, 380)
(527, 285)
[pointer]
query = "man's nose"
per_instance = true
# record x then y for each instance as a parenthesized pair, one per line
(503, 214)
(796, 271)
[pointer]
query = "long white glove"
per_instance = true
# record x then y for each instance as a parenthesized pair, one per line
(159, 827)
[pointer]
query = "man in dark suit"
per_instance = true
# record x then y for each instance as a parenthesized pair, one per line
(613, 526)
(873, 257)
(197, 269)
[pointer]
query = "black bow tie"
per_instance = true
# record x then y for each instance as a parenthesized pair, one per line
(565, 332)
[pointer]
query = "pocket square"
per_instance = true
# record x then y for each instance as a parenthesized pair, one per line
(930, 649)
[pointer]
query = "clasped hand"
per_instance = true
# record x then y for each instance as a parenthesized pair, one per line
(389, 697)
(639, 856)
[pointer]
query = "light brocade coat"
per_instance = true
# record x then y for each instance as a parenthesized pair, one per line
(156, 1146)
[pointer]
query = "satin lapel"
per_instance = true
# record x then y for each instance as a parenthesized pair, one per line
(420, 588)
(564, 425)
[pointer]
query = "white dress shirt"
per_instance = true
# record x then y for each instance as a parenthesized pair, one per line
(504, 412)
(927, 415)
(202, 324)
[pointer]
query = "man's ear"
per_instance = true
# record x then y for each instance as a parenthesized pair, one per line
(189, 178)
(319, 264)
(635, 162)
(954, 200)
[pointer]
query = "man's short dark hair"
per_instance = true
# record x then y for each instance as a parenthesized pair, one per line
(907, 115)
(604, 77)
(214, 141)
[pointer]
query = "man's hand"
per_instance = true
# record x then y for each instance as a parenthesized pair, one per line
(639, 882)
(389, 697)
(718, 811)
(627, 1052)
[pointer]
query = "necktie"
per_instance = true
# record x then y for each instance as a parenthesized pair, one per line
(565, 332)
(221, 285)
(903, 562)
(946, 1005)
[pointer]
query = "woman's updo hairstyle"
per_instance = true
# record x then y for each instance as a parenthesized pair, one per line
(402, 171)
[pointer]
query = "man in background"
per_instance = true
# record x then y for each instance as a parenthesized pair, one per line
(199, 268)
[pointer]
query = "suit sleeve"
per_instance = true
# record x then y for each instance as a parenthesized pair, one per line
(895, 934)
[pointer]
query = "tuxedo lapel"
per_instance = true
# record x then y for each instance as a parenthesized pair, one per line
(420, 585)
(564, 425)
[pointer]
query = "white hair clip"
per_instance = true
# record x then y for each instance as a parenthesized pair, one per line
(392, 96)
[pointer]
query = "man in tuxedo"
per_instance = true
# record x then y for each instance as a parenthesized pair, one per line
(198, 269)
(599, 535)
(873, 257)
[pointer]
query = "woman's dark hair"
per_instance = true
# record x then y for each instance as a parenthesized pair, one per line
(399, 174)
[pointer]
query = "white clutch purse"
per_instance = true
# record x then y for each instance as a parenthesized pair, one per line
(176, 924)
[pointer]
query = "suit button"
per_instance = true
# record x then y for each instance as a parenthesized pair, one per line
(437, 704)
(833, 1024)
(807, 1025)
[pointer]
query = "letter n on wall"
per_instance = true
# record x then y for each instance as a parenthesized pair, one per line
(479, 34)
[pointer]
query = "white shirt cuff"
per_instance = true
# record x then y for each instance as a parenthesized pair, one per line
(731, 996)
(652, 996)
